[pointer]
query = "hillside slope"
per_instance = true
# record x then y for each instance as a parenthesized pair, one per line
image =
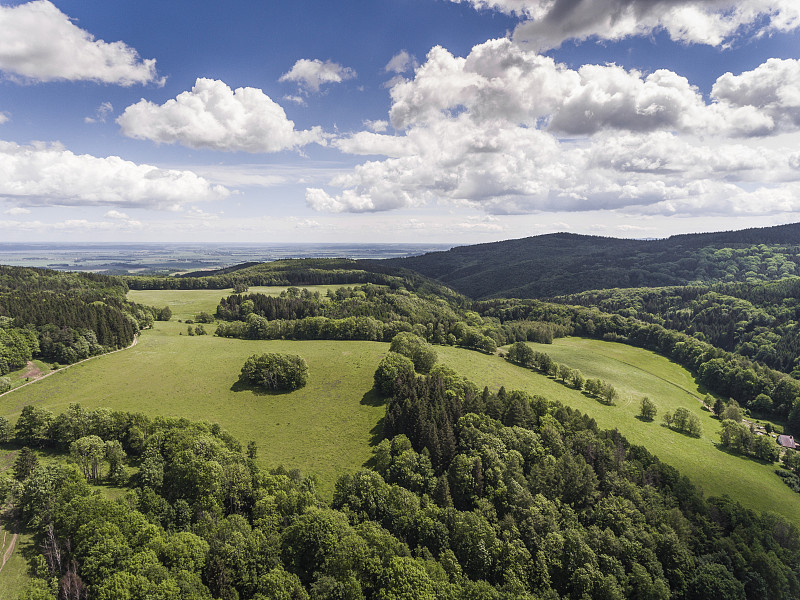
(564, 263)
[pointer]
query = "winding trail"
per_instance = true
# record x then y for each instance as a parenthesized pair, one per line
(10, 550)
(32, 366)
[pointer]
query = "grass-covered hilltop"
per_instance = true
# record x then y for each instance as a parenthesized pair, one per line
(338, 429)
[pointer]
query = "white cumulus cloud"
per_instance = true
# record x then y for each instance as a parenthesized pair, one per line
(401, 62)
(49, 175)
(40, 43)
(499, 79)
(213, 116)
(311, 75)
(509, 131)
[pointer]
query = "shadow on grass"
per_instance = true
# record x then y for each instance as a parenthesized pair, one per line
(644, 419)
(755, 459)
(594, 397)
(681, 432)
(257, 390)
(373, 398)
(376, 436)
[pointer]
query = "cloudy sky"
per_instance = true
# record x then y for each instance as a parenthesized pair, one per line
(453, 121)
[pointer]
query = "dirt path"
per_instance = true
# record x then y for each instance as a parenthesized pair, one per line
(10, 550)
(33, 368)
(32, 371)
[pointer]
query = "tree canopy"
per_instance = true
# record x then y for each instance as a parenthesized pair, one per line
(276, 371)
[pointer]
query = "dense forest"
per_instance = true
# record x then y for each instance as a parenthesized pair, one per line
(306, 271)
(471, 495)
(758, 320)
(563, 263)
(64, 317)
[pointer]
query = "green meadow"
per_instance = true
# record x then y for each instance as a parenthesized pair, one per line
(637, 373)
(325, 428)
(186, 304)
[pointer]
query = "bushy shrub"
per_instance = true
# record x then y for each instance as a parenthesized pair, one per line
(276, 371)
(417, 349)
(393, 368)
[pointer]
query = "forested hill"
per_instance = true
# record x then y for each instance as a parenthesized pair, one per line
(64, 317)
(564, 263)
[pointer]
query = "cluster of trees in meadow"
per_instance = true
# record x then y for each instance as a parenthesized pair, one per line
(65, 317)
(371, 312)
(275, 371)
(684, 421)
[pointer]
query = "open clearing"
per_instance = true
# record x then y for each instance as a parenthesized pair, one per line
(14, 574)
(324, 428)
(637, 373)
(327, 427)
(186, 304)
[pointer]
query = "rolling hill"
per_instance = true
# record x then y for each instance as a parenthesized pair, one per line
(565, 263)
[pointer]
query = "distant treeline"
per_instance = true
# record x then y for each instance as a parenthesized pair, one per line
(307, 271)
(759, 320)
(64, 317)
(558, 264)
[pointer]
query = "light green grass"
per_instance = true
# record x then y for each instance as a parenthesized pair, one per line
(19, 377)
(186, 304)
(14, 577)
(324, 428)
(637, 373)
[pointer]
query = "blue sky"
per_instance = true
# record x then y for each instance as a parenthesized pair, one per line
(396, 120)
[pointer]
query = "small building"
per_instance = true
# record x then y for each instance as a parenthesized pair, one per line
(787, 441)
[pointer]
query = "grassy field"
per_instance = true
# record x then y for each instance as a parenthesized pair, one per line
(14, 575)
(186, 304)
(637, 373)
(325, 428)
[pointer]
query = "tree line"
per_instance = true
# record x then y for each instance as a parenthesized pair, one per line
(65, 317)
(371, 312)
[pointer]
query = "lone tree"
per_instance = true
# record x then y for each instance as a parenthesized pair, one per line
(648, 409)
(276, 371)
